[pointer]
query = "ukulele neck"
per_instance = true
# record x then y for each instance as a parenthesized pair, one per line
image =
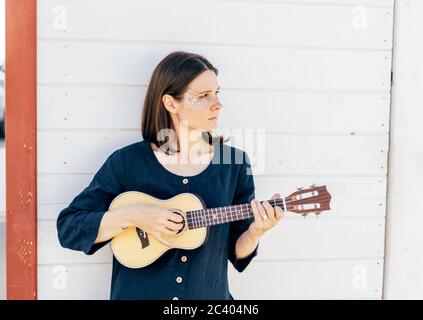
(213, 216)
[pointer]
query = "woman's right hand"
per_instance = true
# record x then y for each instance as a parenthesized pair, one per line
(156, 221)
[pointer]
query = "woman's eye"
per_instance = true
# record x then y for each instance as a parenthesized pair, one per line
(207, 94)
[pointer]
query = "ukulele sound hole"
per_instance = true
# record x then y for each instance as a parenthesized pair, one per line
(179, 212)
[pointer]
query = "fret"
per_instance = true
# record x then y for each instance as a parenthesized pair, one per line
(216, 220)
(214, 217)
(203, 220)
(193, 220)
(222, 216)
(219, 217)
(229, 215)
(190, 220)
(206, 214)
(197, 220)
(235, 214)
(246, 211)
(210, 217)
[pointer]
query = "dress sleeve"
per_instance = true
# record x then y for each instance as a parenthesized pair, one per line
(78, 224)
(244, 193)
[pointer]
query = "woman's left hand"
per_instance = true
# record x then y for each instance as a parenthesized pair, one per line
(265, 216)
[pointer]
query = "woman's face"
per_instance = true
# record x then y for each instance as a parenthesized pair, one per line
(200, 106)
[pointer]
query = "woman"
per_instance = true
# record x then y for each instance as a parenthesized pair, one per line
(181, 99)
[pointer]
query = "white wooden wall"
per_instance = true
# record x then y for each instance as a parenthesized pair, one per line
(314, 74)
(404, 242)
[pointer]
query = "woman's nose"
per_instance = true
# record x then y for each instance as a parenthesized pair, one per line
(217, 104)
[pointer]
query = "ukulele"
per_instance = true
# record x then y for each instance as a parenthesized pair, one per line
(134, 248)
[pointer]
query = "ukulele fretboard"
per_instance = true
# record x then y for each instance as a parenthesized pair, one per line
(212, 216)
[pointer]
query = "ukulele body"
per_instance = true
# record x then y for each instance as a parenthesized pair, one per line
(134, 248)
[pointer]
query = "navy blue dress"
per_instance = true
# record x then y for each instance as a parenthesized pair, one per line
(178, 274)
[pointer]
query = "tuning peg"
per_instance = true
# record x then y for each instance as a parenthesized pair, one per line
(317, 213)
(313, 185)
(304, 215)
(299, 189)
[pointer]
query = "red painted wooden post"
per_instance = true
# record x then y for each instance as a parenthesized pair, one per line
(21, 149)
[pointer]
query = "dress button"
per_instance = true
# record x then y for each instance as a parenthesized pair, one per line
(185, 181)
(184, 258)
(179, 279)
(175, 298)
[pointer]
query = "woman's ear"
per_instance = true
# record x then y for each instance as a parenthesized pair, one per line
(169, 103)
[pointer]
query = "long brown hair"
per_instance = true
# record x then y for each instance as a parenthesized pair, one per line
(171, 76)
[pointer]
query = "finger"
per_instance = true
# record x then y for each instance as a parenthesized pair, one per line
(263, 213)
(174, 217)
(161, 240)
(256, 213)
(276, 196)
(269, 211)
(172, 225)
(279, 213)
(168, 232)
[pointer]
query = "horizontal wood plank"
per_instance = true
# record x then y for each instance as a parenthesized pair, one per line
(343, 279)
(291, 239)
(352, 197)
(111, 63)
(83, 151)
(99, 107)
(258, 23)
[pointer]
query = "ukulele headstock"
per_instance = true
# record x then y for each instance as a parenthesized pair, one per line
(314, 199)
